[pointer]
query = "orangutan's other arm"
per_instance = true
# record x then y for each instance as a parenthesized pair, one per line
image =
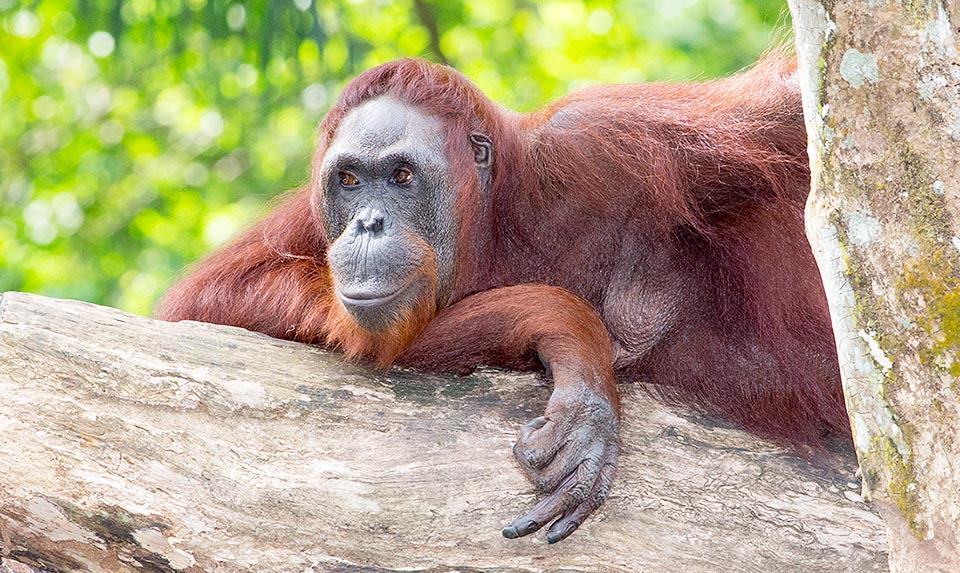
(273, 279)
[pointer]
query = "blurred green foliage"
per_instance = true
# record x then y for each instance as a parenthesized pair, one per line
(136, 135)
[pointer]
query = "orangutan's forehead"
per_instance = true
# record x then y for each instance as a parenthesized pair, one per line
(384, 123)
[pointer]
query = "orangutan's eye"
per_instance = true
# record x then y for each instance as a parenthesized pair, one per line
(402, 176)
(348, 179)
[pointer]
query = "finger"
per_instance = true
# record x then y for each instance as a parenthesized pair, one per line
(539, 441)
(527, 429)
(571, 491)
(572, 519)
(578, 456)
(541, 514)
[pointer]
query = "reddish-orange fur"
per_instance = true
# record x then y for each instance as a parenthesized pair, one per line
(383, 348)
(712, 174)
(503, 326)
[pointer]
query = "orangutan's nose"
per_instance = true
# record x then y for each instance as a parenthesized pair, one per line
(370, 220)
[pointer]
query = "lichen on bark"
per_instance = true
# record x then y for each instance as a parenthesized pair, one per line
(882, 104)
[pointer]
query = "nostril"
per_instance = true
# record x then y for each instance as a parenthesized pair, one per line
(370, 221)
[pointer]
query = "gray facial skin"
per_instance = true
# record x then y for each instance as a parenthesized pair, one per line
(387, 200)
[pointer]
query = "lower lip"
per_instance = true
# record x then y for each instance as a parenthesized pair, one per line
(368, 301)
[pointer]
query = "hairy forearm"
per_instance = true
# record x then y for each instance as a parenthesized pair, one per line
(516, 327)
(272, 279)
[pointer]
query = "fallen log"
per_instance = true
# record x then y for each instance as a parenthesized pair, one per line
(129, 444)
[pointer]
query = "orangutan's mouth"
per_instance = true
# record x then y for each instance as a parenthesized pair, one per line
(367, 298)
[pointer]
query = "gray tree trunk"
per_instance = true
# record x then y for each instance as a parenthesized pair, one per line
(128, 444)
(881, 92)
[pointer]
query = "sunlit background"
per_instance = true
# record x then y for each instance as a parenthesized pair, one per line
(136, 135)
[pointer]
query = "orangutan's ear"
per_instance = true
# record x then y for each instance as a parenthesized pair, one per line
(482, 149)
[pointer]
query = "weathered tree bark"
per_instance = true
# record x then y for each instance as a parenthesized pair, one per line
(128, 444)
(881, 89)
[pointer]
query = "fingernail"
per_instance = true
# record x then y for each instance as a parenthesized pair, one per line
(561, 534)
(530, 527)
(510, 532)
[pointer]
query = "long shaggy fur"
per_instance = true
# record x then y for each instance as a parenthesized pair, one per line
(585, 194)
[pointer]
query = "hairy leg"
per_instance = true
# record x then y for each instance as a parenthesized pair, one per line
(569, 453)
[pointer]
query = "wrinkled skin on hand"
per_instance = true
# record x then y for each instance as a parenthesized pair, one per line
(570, 455)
